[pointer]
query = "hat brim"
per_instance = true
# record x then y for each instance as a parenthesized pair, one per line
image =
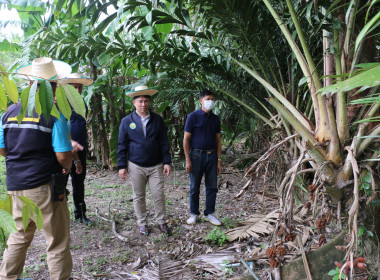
(62, 68)
(83, 81)
(149, 91)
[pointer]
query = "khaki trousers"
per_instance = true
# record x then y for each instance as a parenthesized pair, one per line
(56, 225)
(154, 176)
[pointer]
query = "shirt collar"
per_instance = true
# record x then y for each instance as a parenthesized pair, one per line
(147, 117)
(204, 113)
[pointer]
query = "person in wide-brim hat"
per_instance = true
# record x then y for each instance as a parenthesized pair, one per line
(143, 156)
(76, 78)
(44, 68)
(78, 135)
(142, 91)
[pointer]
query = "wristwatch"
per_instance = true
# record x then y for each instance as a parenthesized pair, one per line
(76, 161)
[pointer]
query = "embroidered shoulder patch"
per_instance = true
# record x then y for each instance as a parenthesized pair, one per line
(132, 126)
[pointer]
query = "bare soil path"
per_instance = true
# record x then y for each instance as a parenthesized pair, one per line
(99, 254)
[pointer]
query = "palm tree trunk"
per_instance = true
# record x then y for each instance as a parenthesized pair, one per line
(341, 104)
(335, 151)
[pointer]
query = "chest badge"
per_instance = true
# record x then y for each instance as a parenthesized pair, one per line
(132, 126)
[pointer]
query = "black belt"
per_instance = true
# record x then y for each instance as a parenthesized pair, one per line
(203, 151)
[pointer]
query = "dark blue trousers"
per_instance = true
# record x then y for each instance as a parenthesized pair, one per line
(77, 181)
(203, 164)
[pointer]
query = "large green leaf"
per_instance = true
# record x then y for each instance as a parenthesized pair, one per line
(368, 78)
(62, 102)
(75, 100)
(3, 99)
(164, 28)
(11, 89)
(24, 104)
(7, 222)
(374, 22)
(6, 204)
(46, 98)
(55, 112)
(34, 211)
(105, 22)
(6, 46)
(163, 106)
(37, 104)
(32, 98)
(104, 59)
(26, 215)
(148, 18)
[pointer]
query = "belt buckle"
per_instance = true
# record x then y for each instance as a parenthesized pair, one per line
(209, 152)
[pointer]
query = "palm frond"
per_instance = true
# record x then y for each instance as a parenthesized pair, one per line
(255, 225)
(164, 268)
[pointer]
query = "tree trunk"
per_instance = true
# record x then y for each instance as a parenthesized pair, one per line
(98, 128)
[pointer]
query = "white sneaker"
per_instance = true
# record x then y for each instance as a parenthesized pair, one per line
(212, 219)
(193, 219)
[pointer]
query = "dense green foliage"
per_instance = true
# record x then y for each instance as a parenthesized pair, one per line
(236, 48)
(278, 68)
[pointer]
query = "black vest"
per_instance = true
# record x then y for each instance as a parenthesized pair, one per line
(30, 159)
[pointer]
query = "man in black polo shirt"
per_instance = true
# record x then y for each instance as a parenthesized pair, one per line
(202, 147)
(143, 147)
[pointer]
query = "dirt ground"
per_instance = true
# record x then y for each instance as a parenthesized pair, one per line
(99, 254)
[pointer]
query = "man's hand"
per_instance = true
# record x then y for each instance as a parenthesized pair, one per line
(65, 171)
(167, 169)
(76, 146)
(123, 173)
(219, 167)
(188, 166)
(79, 168)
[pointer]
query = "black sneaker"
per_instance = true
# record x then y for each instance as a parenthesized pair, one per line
(83, 220)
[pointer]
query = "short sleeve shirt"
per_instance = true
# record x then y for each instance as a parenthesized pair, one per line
(203, 128)
(60, 127)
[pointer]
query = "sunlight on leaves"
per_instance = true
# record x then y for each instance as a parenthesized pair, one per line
(75, 100)
(11, 89)
(62, 102)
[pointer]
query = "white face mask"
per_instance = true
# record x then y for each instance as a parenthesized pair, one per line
(208, 104)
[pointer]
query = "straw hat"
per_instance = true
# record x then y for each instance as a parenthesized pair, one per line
(44, 68)
(142, 90)
(76, 78)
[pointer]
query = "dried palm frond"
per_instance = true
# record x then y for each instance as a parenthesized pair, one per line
(255, 225)
(256, 253)
(212, 262)
(260, 164)
(185, 250)
(164, 268)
